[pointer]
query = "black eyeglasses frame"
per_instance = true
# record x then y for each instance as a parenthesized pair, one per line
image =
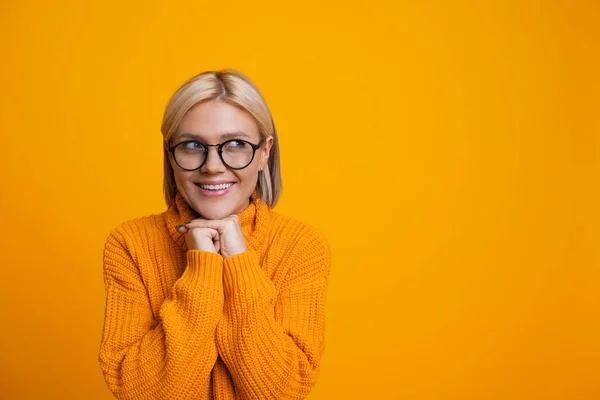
(219, 150)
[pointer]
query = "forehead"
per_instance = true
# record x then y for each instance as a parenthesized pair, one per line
(213, 121)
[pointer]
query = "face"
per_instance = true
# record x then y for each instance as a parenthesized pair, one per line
(214, 122)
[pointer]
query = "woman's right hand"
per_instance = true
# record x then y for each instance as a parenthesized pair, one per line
(206, 239)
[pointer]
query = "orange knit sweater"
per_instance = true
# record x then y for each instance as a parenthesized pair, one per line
(189, 324)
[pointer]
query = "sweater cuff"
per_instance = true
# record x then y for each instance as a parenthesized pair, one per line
(207, 267)
(242, 273)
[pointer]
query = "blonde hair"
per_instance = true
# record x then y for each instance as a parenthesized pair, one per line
(233, 87)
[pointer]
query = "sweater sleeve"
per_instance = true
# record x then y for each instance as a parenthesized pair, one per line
(169, 356)
(272, 343)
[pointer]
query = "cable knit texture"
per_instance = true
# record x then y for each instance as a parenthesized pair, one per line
(188, 324)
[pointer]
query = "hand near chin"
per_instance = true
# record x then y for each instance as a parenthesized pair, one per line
(222, 236)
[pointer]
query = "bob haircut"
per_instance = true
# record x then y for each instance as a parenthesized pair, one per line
(233, 87)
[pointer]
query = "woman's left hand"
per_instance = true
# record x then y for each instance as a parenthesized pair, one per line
(231, 238)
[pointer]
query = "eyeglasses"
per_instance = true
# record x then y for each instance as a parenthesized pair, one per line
(235, 153)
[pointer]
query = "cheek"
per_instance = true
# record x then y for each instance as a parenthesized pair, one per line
(249, 178)
(183, 177)
(177, 175)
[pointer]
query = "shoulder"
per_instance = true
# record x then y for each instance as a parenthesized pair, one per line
(136, 231)
(130, 243)
(297, 232)
(302, 242)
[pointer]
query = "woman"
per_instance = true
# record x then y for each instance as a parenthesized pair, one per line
(218, 297)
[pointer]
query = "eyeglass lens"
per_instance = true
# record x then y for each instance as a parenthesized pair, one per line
(235, 154)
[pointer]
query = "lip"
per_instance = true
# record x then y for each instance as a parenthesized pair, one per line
(212, 193)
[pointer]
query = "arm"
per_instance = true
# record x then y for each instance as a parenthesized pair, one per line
(273, 346)
(170, 357)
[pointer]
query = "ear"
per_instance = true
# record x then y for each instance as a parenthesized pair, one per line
(266, 150)
(168, 154)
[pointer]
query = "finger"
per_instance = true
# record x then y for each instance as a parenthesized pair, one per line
(215, 235)
(208, 233)
(204, 223)
(216, 238)
(203, 239)
(184, 228)
(218, 224)
(217, 245)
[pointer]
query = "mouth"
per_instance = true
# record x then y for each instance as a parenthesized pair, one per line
(215, 190)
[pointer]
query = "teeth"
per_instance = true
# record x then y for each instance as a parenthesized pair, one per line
(216, 187)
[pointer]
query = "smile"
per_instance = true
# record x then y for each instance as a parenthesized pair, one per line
(215, 190)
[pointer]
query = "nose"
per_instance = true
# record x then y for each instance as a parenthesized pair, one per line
(213, 163)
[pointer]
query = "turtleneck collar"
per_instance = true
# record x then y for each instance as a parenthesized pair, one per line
(254, 220)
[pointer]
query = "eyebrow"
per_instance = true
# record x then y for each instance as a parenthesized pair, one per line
(225, 135)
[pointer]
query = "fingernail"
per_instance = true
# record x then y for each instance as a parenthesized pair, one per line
(189, 222)
(178, 226)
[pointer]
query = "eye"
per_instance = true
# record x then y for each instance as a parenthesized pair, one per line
(235, 144)
(192, 146)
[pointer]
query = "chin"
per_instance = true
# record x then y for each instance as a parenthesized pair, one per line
(214, 213)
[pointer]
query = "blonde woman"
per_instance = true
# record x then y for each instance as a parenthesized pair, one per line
(218, 297)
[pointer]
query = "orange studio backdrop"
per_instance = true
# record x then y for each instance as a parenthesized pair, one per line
(448, 150)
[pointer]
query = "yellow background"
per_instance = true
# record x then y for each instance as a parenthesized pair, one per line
(448, 150)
